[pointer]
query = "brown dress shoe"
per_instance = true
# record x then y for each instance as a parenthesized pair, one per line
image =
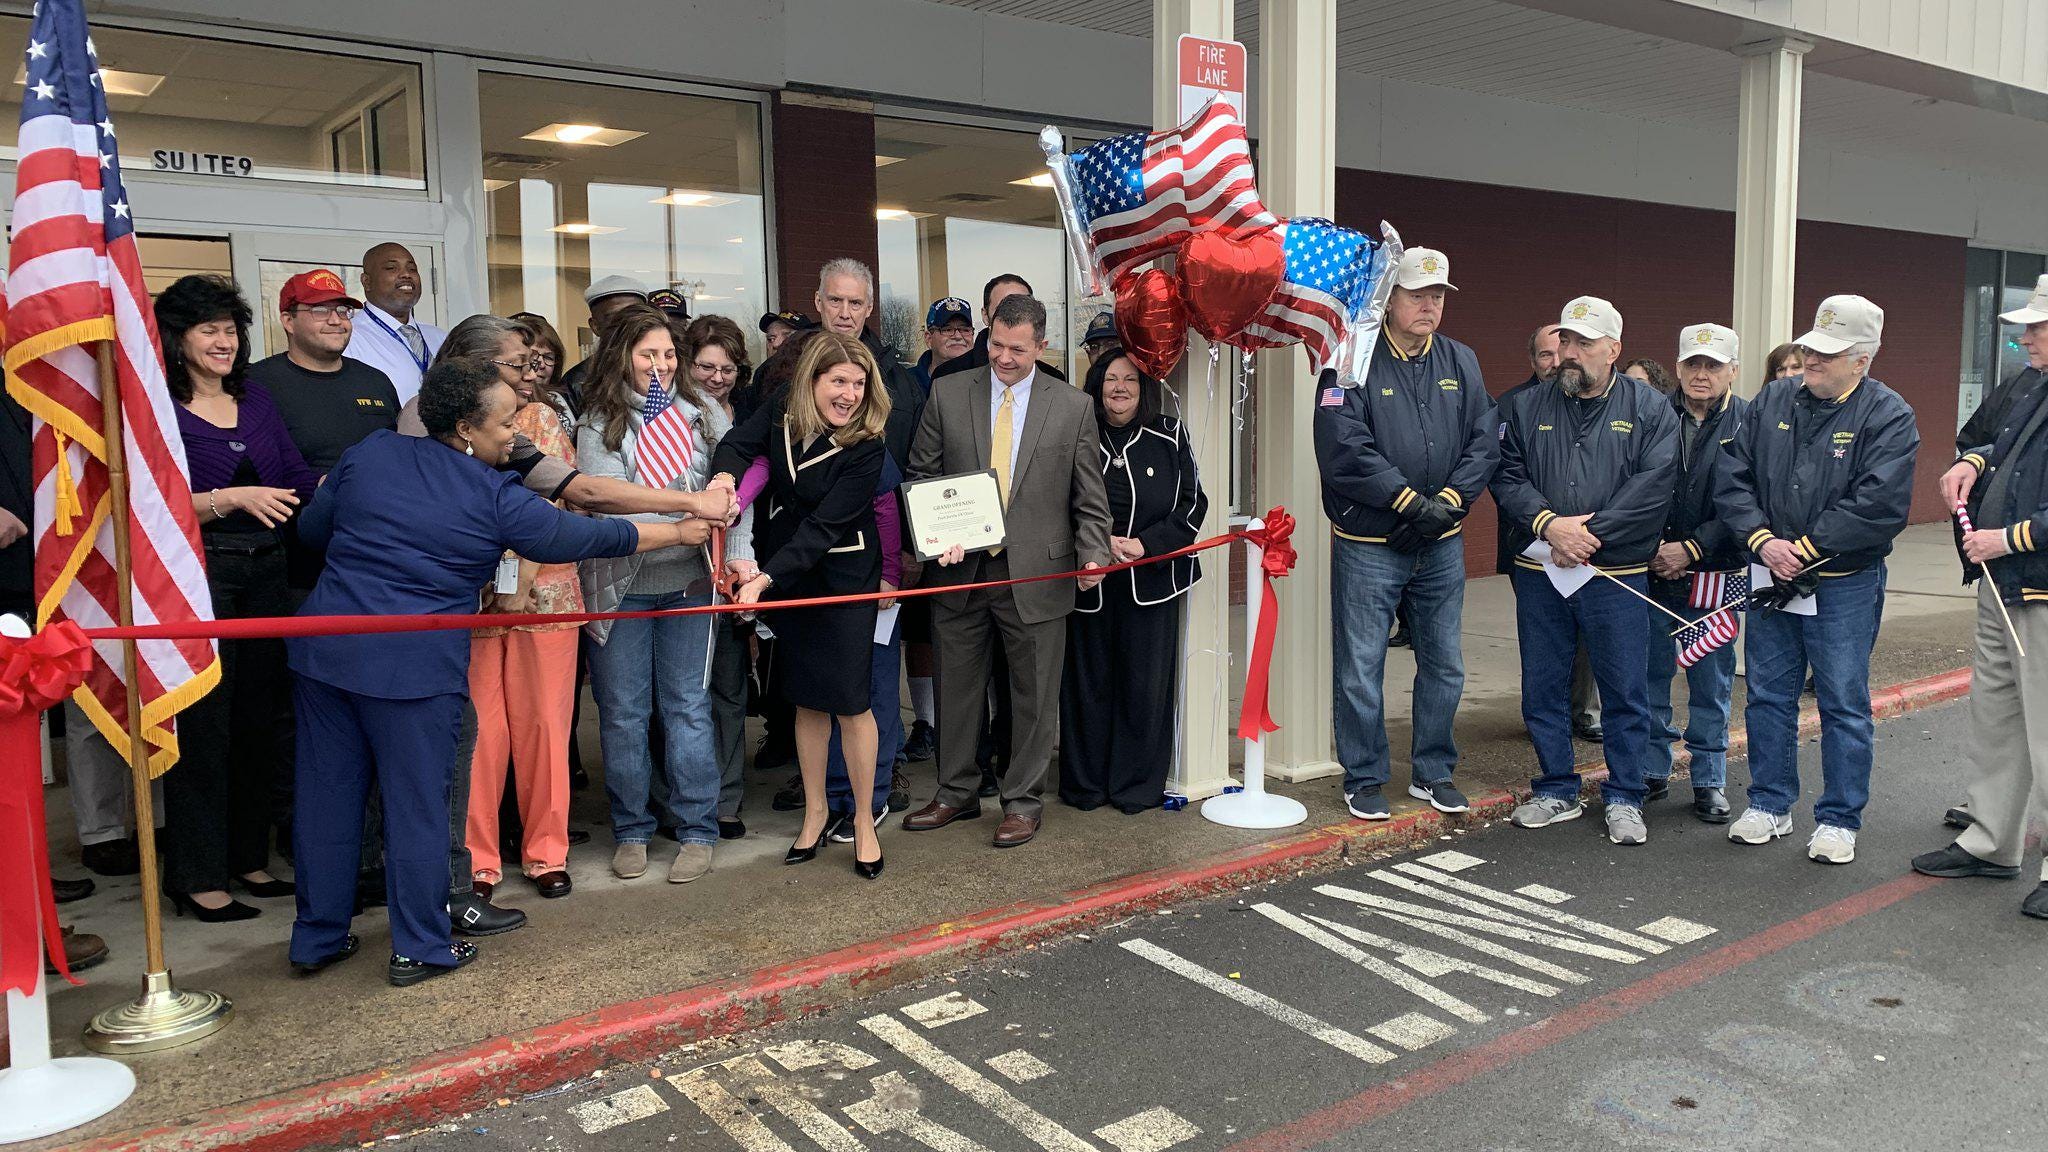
(553, 885)
(82, 950)
(936, 815)
(1016, 829)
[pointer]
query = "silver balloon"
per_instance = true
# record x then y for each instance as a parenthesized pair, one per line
(1080, 243)
(1353, 358)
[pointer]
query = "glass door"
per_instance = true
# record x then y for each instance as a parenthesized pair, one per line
(264, 261)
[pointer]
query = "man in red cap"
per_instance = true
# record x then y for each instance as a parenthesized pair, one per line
(328, 401)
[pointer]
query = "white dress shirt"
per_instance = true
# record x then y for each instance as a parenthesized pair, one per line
(1020, 399)
(378, 342)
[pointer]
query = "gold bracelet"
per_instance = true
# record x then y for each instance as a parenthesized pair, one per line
(211, 503)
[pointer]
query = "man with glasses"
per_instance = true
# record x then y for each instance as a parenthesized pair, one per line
(328, 401)
(391, 337)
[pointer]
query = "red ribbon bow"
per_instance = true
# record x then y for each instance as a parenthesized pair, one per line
(1277, 557)
(35, 674)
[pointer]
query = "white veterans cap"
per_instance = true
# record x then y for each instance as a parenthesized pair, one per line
(1710, 340)
(1591, 317)
(1423, 268)
(2036, 308)
(1841, 322)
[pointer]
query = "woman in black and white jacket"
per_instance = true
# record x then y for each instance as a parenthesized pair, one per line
(1123, 640)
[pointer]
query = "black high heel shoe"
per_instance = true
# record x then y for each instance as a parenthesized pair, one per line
(868, 869)
(268, 889)
(233, 910)
(797, 855)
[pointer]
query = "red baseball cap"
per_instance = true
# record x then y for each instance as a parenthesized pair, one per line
(316, 287)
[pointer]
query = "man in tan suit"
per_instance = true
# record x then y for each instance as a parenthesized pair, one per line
(1039, 436)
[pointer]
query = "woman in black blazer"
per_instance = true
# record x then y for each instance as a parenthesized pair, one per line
(1123, 640)
(825, 454)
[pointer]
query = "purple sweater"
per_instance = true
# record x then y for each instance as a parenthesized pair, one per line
(213, 454)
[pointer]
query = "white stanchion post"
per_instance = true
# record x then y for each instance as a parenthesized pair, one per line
(1254, 807)
(40, 1096)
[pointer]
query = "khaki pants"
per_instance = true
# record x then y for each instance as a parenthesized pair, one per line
(2008, 731)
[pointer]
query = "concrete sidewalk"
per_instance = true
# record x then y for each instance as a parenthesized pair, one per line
(615, 941)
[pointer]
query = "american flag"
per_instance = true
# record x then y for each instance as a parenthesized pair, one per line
(74, 281)
(1704, 635)
(665, 447)
(1327, 284)
(1143, 193)
(1713, 589)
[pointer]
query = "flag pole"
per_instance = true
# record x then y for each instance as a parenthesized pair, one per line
(164, 1016)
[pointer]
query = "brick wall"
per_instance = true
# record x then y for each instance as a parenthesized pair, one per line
(824, 193)
(1518, 254)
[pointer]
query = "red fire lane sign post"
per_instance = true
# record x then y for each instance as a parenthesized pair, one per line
(1209, 67)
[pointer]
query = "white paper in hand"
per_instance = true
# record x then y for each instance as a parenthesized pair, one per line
(1760, 578)
(1566, 580)
(885, 623)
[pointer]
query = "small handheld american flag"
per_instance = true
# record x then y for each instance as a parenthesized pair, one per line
(1715, 589)
(665, 447)
(1703, 636)
(1963, 516)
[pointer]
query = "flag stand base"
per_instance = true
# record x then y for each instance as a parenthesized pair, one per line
(164, 1017)
(60, 1095)
(1250, 809)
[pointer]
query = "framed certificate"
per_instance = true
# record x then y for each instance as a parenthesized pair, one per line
(966, 510)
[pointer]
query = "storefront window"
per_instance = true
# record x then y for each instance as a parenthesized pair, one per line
(233, 111)
(957, 206)
(587, 181)
(1993, 282)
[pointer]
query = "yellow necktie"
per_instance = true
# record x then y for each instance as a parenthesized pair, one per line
(999, 452)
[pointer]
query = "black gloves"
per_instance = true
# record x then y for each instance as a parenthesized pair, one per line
(1432, 518)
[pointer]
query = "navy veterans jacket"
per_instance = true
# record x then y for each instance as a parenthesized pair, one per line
(1417, 428)
(1695, 519)
(1833, 477)
(2012, 489)
(1614, 458)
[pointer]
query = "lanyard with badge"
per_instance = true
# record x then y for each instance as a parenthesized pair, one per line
(419, 360)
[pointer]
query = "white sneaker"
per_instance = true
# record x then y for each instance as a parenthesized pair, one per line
(1831, 845)
(1757, 826)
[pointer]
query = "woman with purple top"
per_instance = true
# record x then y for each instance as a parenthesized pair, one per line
(247, 481)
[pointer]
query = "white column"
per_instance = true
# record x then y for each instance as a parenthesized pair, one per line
(1297, 177)
(458, 138)
(1767, 196)
(1206, 721)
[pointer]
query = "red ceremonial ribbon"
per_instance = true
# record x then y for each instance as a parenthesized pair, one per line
(35, 674)
(1276, 558)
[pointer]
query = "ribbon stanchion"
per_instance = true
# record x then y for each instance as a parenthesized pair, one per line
(39, 1095)
(1269, 552)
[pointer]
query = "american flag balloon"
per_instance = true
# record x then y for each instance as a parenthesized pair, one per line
(1328, 284)
(1140, 194)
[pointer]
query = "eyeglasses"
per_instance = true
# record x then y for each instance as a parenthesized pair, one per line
(720, 371)
(542, 360)
(327, 311)
(524, 368)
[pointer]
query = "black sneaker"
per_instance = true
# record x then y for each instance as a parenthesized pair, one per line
(1367, 804)
(899, 790)
(2036, 903)
(1441, 796)
(840, 831)
(991, 784)
(403, 972)
(791, 798)
(1954, 861)
(919, 747)
(1958, 817)
(1400, 638)
(1656, 788)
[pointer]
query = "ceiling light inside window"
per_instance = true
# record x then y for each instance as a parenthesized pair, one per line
(1042, 180)
(584, 228)
(115, 81)
(882, 161)
(585, 134)
(899, 214)
(686, 198)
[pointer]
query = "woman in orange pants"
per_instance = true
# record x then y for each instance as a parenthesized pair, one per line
(523, 681)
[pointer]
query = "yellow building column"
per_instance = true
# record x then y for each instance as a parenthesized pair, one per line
(1297, 156)
(1203, 766)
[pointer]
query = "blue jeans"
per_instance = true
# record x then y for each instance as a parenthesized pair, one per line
(1367, 582)
(1709, 684)
(1835, 642)
(670, 652)
(886, 696)
(1610, 623)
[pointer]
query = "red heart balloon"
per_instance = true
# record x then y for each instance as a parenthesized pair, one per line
(1228, 281)
(1152, 321)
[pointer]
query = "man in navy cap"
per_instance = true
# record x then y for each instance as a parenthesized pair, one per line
(1101, 336)
(778, 327)
(948, 334)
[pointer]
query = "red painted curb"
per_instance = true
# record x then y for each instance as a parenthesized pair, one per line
(361, 1107)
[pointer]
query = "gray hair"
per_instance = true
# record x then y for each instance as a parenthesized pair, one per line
(478, 338)
(847, 266)
(1865, 348)
(1018, 308)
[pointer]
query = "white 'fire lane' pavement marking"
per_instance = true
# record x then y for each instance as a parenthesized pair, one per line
(637, 1103)
(1035, 1126)
(894, 1108)
(1294, 1018)
(1542, 911)
(1373, 964)
(1431, 963)
(1421, 915)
